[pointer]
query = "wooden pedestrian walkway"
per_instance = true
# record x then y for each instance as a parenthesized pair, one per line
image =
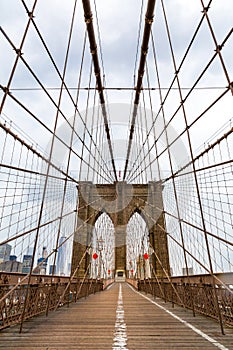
(118, 318)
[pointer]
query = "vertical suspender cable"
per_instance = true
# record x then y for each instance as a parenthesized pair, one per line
(144, 49)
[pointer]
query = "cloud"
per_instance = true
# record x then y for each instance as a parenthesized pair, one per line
(118, 24)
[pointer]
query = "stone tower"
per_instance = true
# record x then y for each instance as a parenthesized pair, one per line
(120, 201)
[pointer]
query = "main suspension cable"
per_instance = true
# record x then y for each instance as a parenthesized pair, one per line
(93, 48)
(144, 49)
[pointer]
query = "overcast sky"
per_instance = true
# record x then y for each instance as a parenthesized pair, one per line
(118, 37)
(119, 28)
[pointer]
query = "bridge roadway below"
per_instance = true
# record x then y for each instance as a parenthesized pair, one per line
(118, 318)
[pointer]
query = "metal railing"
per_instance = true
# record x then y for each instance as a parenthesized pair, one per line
(200, 297)
(43, 295)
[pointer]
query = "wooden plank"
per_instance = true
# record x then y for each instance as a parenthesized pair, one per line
(90, 324)
(149, 327)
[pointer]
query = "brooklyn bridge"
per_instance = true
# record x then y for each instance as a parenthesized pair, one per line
(116, 174)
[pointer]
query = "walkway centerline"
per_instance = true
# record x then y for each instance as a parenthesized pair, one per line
(120, 335)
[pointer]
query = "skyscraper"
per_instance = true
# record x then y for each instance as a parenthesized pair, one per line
(61, 257)
(42, 262)
(27, 262)
(5, 252)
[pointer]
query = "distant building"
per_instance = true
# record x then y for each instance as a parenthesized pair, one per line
(187, 271)
(52, 269)
(45, 257)
(42, 262)
(27, 263)
(13, 257)
(41, 268)
(11, 266)
(61, 257)
(5, 252)
(45, 254)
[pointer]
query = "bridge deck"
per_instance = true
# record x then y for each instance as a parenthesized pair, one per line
(118, 318)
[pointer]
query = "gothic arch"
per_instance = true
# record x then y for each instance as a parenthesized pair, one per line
(120, 201)
(141, 213)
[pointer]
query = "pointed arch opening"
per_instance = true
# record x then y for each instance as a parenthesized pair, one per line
(138, 261)
(102, 262)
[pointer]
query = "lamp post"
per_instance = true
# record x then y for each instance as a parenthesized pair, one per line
(100, 247)
(94, 257)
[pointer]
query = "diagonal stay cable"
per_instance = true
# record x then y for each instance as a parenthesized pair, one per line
(171, 86)
(64, 86)
(144, 49)
(93, 48)
(18, 54)
(191, 89)
(6, 90)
